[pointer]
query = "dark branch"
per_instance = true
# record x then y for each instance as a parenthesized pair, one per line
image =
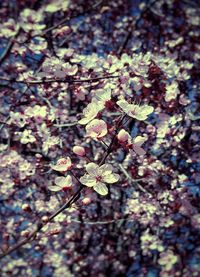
(71, 201)
(67, 80)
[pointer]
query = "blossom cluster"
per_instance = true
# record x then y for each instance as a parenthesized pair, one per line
(100, 99)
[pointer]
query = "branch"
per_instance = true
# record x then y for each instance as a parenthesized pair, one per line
(102, 222)
(5, 122)
(69, 124)
(8, 47)
(109, 149)
(131, 26)
(73, 80)
(68, 80)
(71, 201)
(64, 20)
(134, 181)
(50, 29)
(41, 224)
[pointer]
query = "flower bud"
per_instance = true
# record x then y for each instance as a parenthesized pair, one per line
(86, 200)
(25, 233)
(79, 150)
(123, 136)
(26, 208)
(45, 219)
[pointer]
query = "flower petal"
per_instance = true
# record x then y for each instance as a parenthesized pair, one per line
(92, 168)
(88, 180)
(143, 111)
(97, 128)
(139, 140)
(62, 164)
(147, 109)
(111, 178)
(124, 105)
(54, 188)
(90, 112)
(105, 169)
(84, 121)
(101, 188)
(139, 150)
(63, 181)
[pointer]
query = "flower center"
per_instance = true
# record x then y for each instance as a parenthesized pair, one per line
(62, 162)
(133, 112)
(98, 178)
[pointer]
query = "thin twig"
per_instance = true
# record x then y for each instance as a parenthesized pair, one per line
(68, 124)
(8, 47)
(102, 222)
(133, 24)
(63, 21)
(8, 117)
(106, 145)
(4, 122)
(41, 224)
(109, 149)
(67, 80)
(73, 80)
(134, 181)
(27, 88)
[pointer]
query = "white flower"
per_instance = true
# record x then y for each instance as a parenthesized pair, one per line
(90, 112)
(70, 69)
(62, 165)
(96, 129)
(9, 28)
(172, 91)
(135, 111)
(58, 5)
(27, 137)
(49, 142)
(36, 111)
(62, 183)
(17, 118)
(97, 176)
(31, 20)
(167, 259)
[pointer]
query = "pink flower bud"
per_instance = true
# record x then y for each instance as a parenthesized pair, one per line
(45, 219)
(26, 208)
(79, 150)
(123, 136)
(86, 201)
(25, 233)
